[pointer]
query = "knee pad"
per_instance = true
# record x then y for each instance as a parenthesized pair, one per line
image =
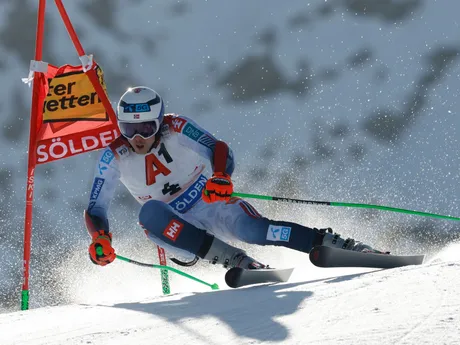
(252, 230)
(160, 221)
(154, 215)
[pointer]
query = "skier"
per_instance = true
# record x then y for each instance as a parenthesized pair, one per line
(163, 160)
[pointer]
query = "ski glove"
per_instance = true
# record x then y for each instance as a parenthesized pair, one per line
(218, 188)
(100, 250)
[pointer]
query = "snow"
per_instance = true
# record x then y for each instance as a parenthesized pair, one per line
(408, 305)
(188, 58)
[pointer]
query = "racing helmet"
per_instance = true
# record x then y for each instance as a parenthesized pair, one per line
(140, 111)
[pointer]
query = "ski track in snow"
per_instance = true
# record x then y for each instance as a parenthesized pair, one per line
(408, 305)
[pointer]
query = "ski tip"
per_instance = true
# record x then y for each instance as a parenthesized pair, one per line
(326, 257)
(421, 259)
(232, 277)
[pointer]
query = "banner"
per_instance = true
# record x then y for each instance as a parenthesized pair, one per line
(70, 114)
(72, 119)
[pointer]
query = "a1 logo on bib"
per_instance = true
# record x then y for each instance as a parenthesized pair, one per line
(278, 233)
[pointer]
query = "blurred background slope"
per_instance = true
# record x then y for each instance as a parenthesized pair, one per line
(342, 100)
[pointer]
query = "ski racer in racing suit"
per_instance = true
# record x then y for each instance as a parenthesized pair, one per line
(162, 160)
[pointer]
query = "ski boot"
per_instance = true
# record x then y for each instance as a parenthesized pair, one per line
(246, 262)
(335, 241)
(228, 256)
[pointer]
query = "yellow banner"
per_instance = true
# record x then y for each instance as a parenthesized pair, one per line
(72, 97)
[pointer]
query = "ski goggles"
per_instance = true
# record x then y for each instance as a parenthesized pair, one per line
(145, 130)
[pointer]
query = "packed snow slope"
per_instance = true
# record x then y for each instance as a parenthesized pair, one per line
(410, 305)
(338, 100)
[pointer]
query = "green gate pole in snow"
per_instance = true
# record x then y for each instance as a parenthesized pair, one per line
(162, 267)
(166, 288)
(343, 204)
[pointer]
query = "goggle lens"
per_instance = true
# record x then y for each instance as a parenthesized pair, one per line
(145, 129)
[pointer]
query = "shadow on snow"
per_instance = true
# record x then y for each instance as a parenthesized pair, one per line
(250, 312)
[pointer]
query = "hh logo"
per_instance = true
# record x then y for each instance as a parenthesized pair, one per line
(173, 230)
(178, 124)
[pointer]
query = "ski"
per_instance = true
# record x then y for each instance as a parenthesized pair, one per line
(237, 277)
(323, 256)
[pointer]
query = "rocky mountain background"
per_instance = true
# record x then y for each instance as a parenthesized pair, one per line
(339, 100)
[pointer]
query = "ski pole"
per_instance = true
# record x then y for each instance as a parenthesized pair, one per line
(343, 204)
(163, 267)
